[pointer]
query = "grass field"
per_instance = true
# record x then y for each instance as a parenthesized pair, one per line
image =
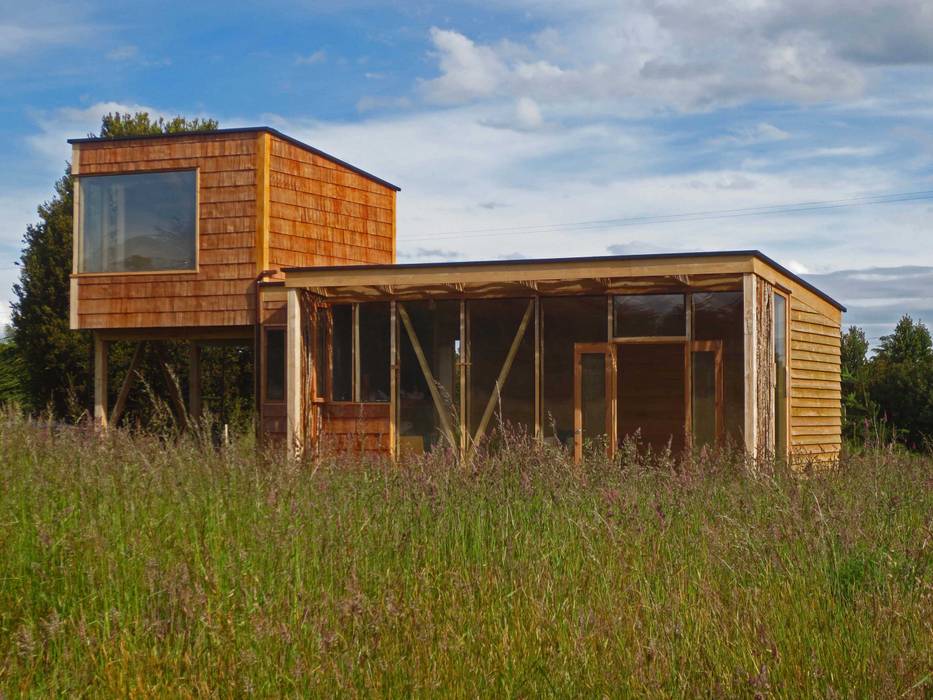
(129, 566)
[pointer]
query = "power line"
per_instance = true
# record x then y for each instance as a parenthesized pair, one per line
(765, 210)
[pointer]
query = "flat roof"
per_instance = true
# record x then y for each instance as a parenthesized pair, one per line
(244, 130)
(599, 259)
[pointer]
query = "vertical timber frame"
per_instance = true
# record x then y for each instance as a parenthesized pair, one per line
(101, 351)
(393, 379)
(76, 217)
(750, 336)
(293, 398)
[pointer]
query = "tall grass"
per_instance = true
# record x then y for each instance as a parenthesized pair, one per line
(135, 566)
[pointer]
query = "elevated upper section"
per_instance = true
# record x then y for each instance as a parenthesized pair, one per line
(174, 230)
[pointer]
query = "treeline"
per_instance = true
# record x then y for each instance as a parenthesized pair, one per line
(887, 394)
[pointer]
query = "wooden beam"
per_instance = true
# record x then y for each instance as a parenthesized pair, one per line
(463, 369)
(357, 390)
(293, 432)
(263, 157)
(749, 296)
(101, 348)
(503, 373)
(393, 380)
(428, 377)
(128, 381)
(539, 431)
(688, 374)
(194, 381)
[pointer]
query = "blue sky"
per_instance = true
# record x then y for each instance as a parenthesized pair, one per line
(508, 124)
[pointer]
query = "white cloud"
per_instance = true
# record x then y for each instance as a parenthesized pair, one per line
(127, 52)
(312, 59)
(763, 132)
(468, 71)
(15, 38)
(527, 113)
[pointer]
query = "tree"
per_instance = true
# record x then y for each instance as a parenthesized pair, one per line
(858, 411)
(901, 380)
(55, 360)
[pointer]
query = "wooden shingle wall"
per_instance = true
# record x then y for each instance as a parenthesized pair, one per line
(220, 292)
(815, 393)
(322, 213)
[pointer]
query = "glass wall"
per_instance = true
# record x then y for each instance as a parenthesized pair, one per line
(638, 315)
(437, 328)
(275, 364)
(374, 352)
(780, 376)
(140, 222)
(341, 379)
(651, 394)
(718, 316)
(704, 398)
(565, 321)
(493, 325)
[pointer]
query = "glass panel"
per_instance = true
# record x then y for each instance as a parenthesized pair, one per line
(593, 396)
(374, 352)
(493, 324)
(341, 380)
(565, 321)
(437, 325)
(638, 315)
(320, 352)
(780, 385)
(275, 365)
(704, 399)
(138, 222)
(651, 394)
(718, 316)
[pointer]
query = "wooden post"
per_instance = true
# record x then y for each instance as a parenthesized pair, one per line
(194, 381)
(688, 374)
(428, 377)
(101, 349)
(357, 392)
(749, 298)
(393, 380)
(539, 431)
(464, 364)
(503, 373)
(293, 432)
(128, 382)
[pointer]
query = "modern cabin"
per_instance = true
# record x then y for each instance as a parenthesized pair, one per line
(248, 235)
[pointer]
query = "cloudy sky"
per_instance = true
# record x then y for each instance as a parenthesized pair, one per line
(803, 128)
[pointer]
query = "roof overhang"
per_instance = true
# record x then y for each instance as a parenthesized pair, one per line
(717, 271)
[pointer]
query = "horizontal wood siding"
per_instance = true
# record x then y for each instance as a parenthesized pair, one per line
(356, 427)
(815, 393)
(321, 213)
(220, 293)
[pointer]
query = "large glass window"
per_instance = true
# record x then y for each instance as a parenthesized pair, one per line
(565, 321)
(718, 316)
(637, 315)
(341, 380)
(275, 364)
(780, 376)
(374, 352)
(141, 222)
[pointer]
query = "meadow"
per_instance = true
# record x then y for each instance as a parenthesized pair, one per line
(133, 565)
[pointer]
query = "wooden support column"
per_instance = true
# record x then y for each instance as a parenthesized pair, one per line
(464, 365)
(357, 388)
(393, 380)
(688, 374)
(749, 299)
(194, 381)
(539, 430)
(101, 350)
(293, 432)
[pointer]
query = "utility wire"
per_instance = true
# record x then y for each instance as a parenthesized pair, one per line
(765, 210)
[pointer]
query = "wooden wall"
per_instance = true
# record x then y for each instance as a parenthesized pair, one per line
(219, 293)
(322, 213)
(355, 427)
(815, 391)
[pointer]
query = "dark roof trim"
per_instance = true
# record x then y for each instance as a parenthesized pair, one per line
(246, 130)
(596, 258)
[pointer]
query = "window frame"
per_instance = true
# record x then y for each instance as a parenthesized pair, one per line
(78, 242)
(788, 429)
(265, 363)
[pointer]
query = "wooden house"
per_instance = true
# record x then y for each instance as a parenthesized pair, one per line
(249, 234)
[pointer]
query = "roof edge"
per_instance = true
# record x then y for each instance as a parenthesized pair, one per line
(244, 130)
(590, 259)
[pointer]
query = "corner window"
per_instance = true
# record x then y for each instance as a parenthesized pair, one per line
(275, 364)
(140, 222)
(780, 376)
(645, 315)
